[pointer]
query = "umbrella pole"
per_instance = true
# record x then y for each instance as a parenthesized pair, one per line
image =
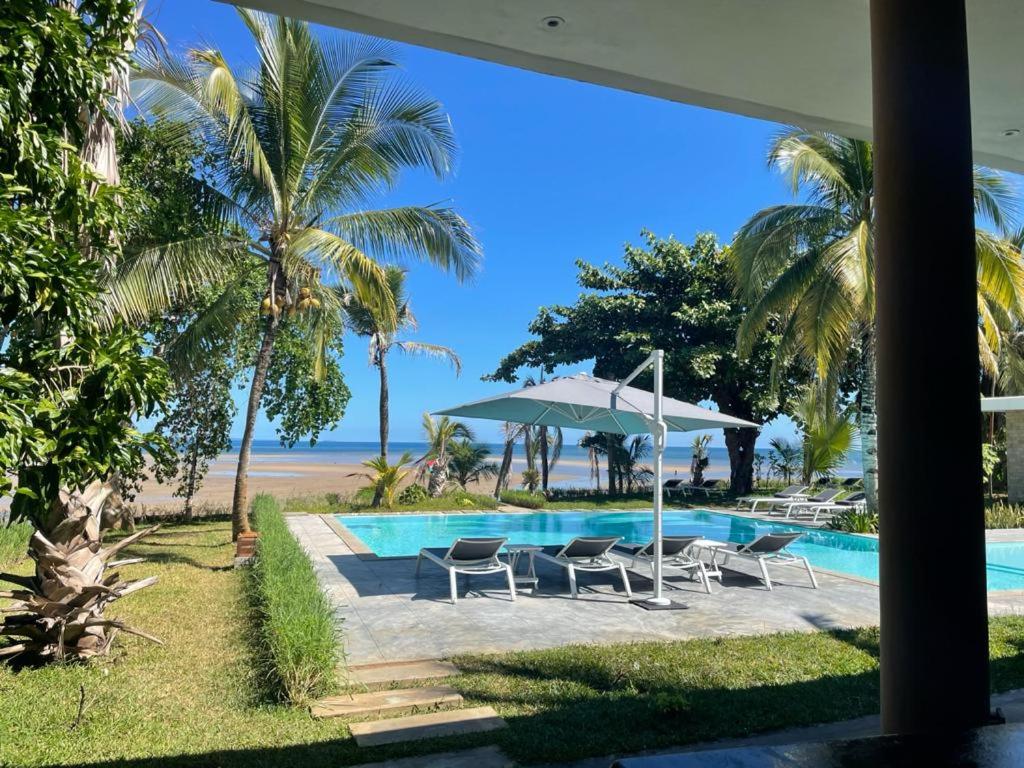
(659, 430)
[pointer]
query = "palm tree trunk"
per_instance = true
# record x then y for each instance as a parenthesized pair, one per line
(503, 471)
(382, 368)
(868, 422)
(240, 504)
(544, 459)
(612, 480)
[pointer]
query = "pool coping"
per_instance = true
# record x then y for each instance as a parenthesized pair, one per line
(363, 552)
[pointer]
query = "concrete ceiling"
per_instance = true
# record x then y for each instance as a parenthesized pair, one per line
(793, 61)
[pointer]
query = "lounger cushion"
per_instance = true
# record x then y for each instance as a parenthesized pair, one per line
(474, 549)
(768, 543)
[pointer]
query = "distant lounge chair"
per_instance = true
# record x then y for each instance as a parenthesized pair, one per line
(586, 553)
(472, 557)
(674, 485)
(770, 549)
(708, 487)
(792, 493)
(853, 501)
(673, 554)
(851, 482)
(826, 496)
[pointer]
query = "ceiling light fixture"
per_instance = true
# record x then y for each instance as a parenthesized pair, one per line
(552, 22)
(1011, 133)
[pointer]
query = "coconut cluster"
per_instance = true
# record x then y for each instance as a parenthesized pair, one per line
(283, 302)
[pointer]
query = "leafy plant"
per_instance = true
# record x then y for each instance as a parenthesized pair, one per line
(386, 477)
(855, 520)
(468, 463)
(531, 479)
(72, 383)
(828, 432)
(413, 494)
(1004, 515)
(989, 461)
(527, 499)
(297, 638)
(441, 434)
(784, 458)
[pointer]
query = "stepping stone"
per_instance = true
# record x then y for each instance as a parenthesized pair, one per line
(414, 727)
(380, 675)
(481, 757)
(386, 702)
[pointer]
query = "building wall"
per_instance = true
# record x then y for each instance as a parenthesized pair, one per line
(1015, 455)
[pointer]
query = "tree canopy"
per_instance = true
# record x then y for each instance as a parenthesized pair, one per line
(671, 296)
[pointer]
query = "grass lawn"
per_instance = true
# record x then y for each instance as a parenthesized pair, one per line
(195, 699)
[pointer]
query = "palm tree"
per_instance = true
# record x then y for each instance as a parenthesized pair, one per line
(828, 432)
(441, 435)
(386, 478)
(304, 140)
(469, 463)
(784, 457)
(811, 265)
(381, 328)
(699, 458)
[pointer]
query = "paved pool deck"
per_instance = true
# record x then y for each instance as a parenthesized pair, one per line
(389, 614)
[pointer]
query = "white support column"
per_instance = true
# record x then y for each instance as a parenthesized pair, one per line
(658, 433)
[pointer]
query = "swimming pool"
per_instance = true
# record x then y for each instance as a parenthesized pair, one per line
(403, 535)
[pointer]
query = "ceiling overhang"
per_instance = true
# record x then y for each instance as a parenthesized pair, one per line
(805, 62)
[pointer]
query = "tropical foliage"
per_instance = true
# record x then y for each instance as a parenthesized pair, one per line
(784, 458)
(381, 326)
(623, 456)
(672, 296)
(807, 269)
(302, 143)
(69, 383)
(469, 464)
(386, 478)
(441, 435)
(828, 433)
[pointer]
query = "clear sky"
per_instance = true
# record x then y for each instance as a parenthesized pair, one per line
(550, 170)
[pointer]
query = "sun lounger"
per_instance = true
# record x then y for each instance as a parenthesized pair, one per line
(589, 554)
(792, 493)
(673, 554)
(769, 549)
(472, 557)
(854, 500)
(826, 496)
(674, 485)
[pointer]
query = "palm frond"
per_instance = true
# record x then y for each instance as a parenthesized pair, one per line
(435, 351)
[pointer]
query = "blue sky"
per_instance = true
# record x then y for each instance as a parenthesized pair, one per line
(550, 170)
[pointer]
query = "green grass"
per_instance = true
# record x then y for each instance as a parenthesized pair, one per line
(13, 542)
(332, 503)
(200, 698)
(296, 635)
(524, 499)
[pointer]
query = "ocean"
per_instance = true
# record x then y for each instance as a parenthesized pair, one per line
(572, 469)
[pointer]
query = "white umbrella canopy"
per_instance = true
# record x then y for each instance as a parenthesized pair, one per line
(587, 402)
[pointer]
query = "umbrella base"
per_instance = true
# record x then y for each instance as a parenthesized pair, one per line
(650, 604)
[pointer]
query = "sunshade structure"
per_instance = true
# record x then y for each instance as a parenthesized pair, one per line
(586, 402)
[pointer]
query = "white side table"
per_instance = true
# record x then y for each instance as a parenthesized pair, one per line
(712, 547)
(515, 552)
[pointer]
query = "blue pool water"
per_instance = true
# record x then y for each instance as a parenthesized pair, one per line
(398, 535)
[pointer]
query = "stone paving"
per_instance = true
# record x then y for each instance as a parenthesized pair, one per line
(390, 615)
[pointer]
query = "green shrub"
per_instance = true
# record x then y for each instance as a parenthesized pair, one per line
(1003, 515)
(297, 637)
(523, 499)
(13, 541)
(414, 494)
(855, 521)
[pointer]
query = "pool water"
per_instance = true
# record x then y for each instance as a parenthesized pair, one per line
(403, 535)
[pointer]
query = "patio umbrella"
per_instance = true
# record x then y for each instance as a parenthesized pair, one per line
(587, 402)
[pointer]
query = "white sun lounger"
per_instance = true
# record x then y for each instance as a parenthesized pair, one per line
(472, 557)
(792, 493)
(589, 554)
(770, 549)
(853, 501)
(827, 496)
(673, 555)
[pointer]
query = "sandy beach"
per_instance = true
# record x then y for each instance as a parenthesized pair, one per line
(284, 476)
